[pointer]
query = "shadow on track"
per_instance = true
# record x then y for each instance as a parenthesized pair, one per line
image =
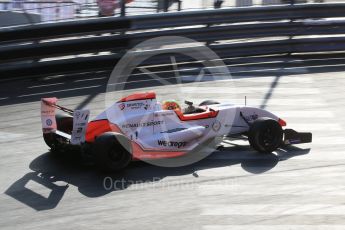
(55, 173)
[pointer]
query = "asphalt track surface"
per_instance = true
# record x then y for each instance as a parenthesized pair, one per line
(301, 187)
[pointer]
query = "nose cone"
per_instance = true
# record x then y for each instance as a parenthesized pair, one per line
(281, 122)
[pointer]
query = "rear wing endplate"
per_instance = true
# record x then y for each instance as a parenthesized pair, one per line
(49, 124)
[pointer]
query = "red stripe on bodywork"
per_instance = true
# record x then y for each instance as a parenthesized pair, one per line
(140, 154)
(96, 128)
(139, 96)
(196, 116)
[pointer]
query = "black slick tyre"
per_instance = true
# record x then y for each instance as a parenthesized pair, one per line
(265, 135)
(112, 151)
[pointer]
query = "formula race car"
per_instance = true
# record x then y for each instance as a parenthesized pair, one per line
(137, 127)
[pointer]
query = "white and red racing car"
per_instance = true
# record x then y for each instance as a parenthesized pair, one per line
(137, 127)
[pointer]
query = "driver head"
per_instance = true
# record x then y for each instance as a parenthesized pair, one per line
(170, 105)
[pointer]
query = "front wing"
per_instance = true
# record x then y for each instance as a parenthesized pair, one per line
(293, 137)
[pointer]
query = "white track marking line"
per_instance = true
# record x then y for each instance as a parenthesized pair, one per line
(315, 127)
(207, 78)
(297, 70)
(251, 101)
(289, 79)
(245, 167)
(57, 91)
(274, 209)
(271, 79)
(249, 155)
(90, 79)
(273, 227)
(272, 190)
(305, 114)
(248, 90)
(155, 76)
(329, 141)
(145, 80)
(4, 98)
(45, 85)
(6, 136)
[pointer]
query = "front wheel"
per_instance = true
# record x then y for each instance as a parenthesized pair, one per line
(265, 135)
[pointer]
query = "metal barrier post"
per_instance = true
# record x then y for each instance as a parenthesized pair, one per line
(123, 8)
(165, 5)
(179, 5)
(218, 4)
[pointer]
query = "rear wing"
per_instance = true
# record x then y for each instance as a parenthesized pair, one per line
(49, 123)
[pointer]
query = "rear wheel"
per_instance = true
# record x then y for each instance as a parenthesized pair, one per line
(112, 151)
(265, 135)
(64, 123)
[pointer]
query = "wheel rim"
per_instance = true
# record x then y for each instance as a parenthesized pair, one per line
(116, 156)
(268, 138)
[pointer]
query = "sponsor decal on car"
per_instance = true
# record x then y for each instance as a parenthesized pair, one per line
(49, 122)
(174, 130)
(145, 124)
(77, 114)
(48, 112)
(136, 135)
(122, 106)
(170, 113)
(81, 124)
(147, 106)
(135, 105)
(79, 130)
(216, 126)
(292, 141)
(176, 144)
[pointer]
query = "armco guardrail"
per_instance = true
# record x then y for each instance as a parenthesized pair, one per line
(208, 34)
(164, 20)
(237, 15)
(87, 64)
(211, 26)
(62, 29)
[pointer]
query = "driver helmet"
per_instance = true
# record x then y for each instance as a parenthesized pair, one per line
(170, 105)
